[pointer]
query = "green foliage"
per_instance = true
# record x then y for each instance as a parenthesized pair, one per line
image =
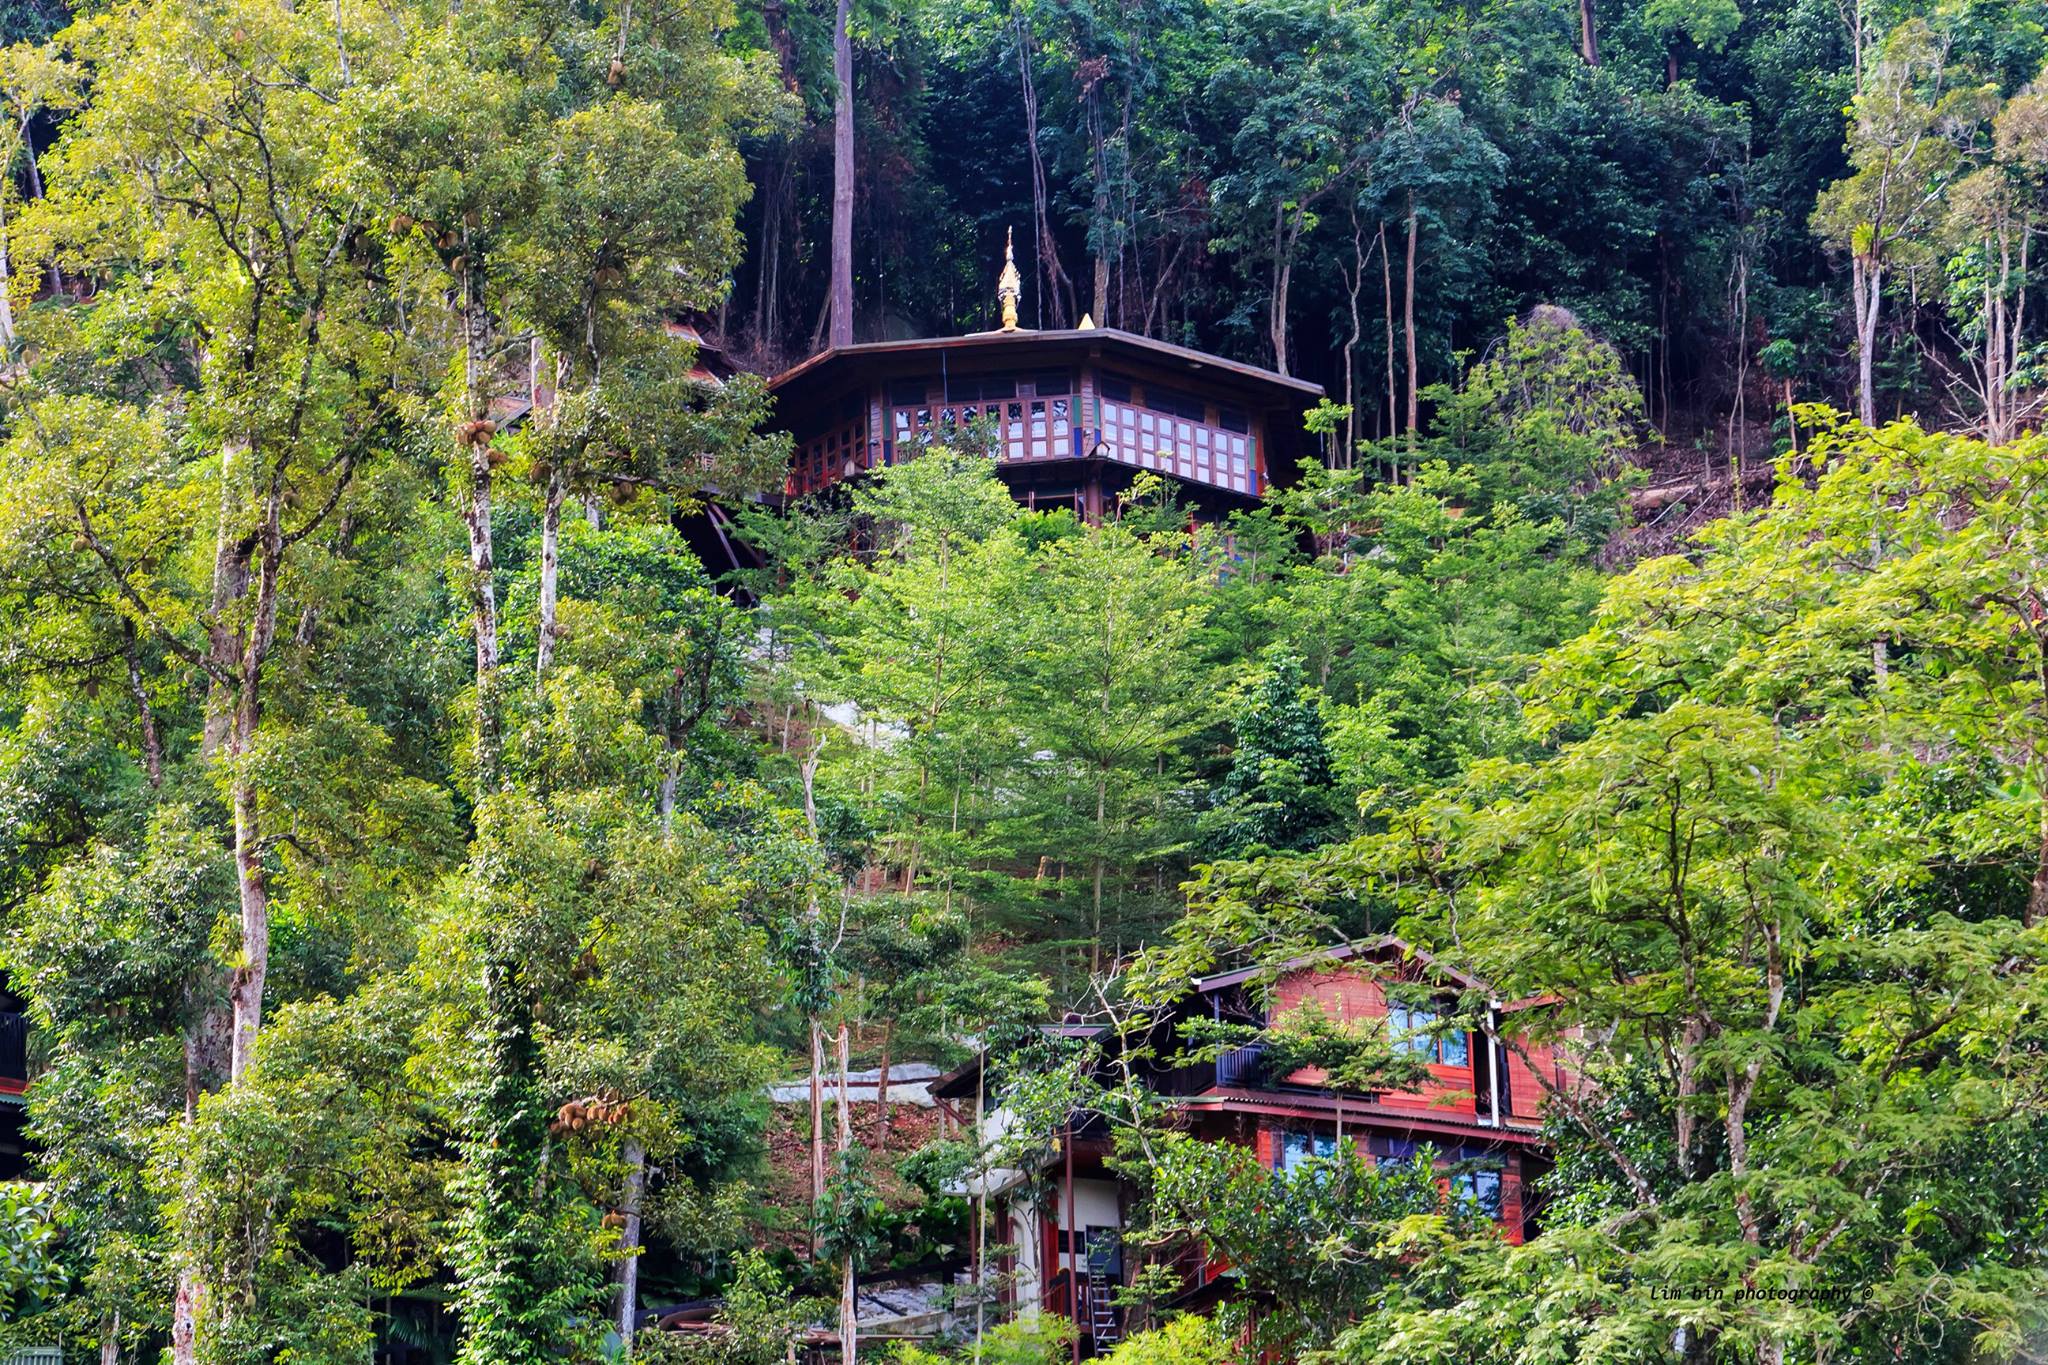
(1187, 1340)
(1280, 792)
(760, 1318)
(28, 1239)
(1320, 1243)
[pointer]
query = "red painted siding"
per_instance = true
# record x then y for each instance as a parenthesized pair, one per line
(1527, 1094)
(1350, 993)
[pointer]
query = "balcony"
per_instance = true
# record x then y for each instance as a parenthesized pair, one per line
(1242, 1067)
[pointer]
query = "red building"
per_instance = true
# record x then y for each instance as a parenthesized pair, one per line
(1479, 1114)
(1071, 416)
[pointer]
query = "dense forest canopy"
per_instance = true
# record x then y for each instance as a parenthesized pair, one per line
(417, 868)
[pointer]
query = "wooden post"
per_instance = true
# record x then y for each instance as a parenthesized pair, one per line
(1073, 1237)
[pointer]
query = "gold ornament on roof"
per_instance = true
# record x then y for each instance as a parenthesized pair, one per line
(1010, 286)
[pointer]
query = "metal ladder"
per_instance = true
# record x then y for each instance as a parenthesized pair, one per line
(1105, 1324)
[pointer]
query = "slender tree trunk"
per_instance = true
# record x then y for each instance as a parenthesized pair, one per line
(1866, 287)
(110, 1340)
(476, 516)
(1408, 324)
(882, 1090)
(230, 584)
(246, 981)
(817, 1111)
(550, 573)
(1099, 207)
(978, 1244)
(1387, 293)
(2037, 893)
(1052, 276)
(1589, 38)
(1101, 814)
(672, 766)
(842, 177)
(849, 1308)
(474, 452)
(1353, 287)
(203, 1045)
(1276, 307)
(6, 302)
(145, 715)
(631, 1200)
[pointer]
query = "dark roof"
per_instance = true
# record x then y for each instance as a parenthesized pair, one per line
(1112, 338)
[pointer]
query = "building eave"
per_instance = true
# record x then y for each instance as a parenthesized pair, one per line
(1111, 337)
(1361, 1114)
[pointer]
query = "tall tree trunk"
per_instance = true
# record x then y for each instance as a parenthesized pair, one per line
(1387, 293)
(1099, 209)
(1408, 324)
(1101, 814)
(476, 516)
(849, 1308)
(35, 191)
(246, 981)
(882, 1090)
(110, 1339)
(550, 573)
(230, 584)
(1866, 289)
(1054, 283)
(1589, 38)
(817, 1112)
(1353, 285)
(1283, 270)
(150, 742)
(978, 1243)
(631, 1199)
(6, 301)
(672, 765)
(842, 177)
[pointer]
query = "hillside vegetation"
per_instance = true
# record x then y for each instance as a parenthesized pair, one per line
(416, 866)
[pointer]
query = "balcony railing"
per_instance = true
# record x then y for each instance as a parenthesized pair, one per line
(13, 1050)
(1242, 1066)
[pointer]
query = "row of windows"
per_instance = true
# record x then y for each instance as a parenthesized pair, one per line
(1175, 445)
(1118, 388)
(1480, 1185)
(1025, 429)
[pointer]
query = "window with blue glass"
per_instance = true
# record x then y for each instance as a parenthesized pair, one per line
(1480, 1188)
(1408, 1029)
(1295, 1148)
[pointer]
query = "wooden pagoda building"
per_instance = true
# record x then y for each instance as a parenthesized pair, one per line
(1071, 416)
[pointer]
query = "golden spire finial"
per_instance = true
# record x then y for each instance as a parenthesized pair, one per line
(1010, 286)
